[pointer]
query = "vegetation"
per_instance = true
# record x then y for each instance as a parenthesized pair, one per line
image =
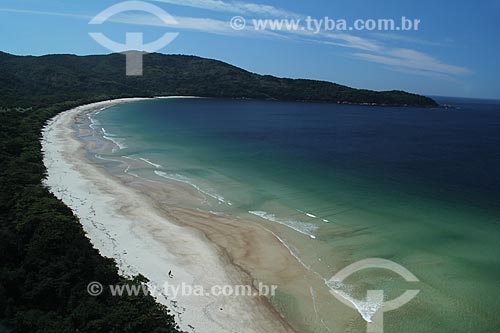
(58, 78)
(47, 260)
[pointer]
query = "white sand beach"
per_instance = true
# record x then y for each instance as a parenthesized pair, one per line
(124, 225)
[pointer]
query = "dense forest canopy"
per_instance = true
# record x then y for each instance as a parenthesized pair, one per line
(46, 258)
(59, 78)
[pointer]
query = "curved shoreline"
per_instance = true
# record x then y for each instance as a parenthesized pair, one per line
(124, 226)
(130, 219)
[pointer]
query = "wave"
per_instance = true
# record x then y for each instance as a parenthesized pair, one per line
(186, 180)
(313, 216)
(366, 309)
(158, 166)
(120, 143)
(302, 227)
(93, 122)
(106, 133)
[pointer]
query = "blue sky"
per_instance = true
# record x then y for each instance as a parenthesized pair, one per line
(455, 52)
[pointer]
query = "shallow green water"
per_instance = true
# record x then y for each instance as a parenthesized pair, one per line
(416, 186)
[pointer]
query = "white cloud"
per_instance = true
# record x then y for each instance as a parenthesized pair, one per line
(406, 58)
(418, 72)
(200, 24)
(351, 41)
(36, 12)
(239, 7)
(403, 38)
(400, 59)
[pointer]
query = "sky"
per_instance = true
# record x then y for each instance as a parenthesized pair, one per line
(455, 51)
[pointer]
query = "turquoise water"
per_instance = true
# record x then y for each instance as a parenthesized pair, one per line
(342, 183)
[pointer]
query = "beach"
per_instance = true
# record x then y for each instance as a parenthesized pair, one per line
(141, 227)
(228, 200)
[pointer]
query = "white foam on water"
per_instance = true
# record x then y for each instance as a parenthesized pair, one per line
(366, 309)
(186, 180)
(107, 159)
(292, 252)
(150, 163)
(302, 227)
(93, 122)
(120, 143)
(106, 133)
(311, 215)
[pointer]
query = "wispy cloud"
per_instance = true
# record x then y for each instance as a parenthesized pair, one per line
(406, 58)
(44, 13)
(418, 72)
(200, 24)
(379, 51)
(402, 38)
(239, 7)
(351, 41)
(222, 27)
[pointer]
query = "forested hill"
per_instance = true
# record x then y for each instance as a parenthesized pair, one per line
(28, 81)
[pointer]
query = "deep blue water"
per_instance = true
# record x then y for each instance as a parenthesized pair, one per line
(418, 186)
(452, 152)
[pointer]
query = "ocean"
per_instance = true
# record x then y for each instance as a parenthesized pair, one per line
(338, 184)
